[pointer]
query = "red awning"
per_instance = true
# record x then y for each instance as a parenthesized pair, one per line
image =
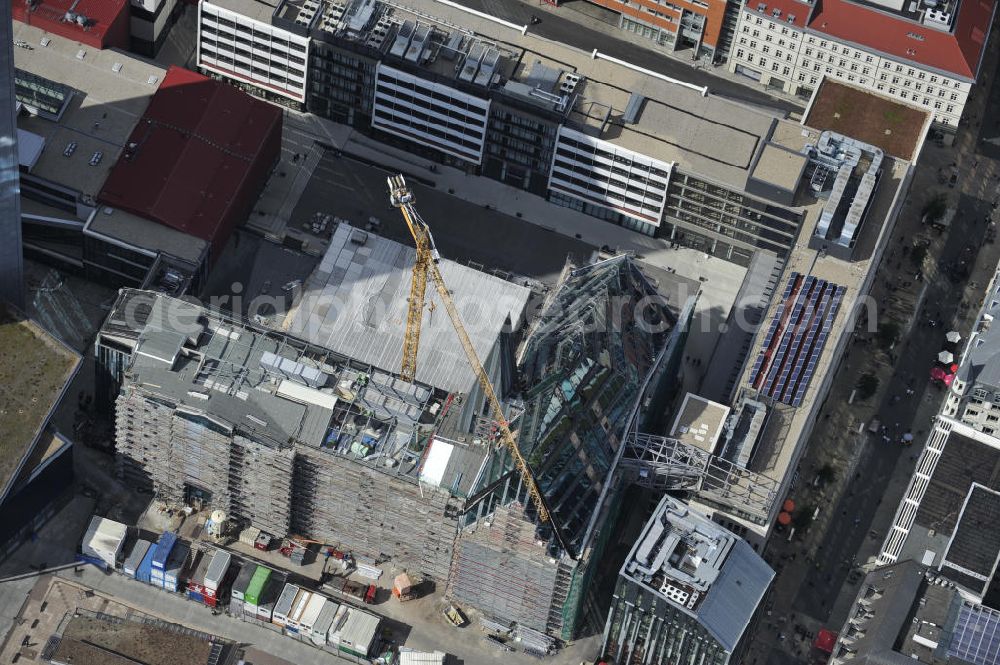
(825, 640)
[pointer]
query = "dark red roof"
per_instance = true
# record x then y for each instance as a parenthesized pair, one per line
(201, 152)
(106, 20)
(957, 52)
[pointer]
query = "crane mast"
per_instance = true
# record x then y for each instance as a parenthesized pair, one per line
(427, 263)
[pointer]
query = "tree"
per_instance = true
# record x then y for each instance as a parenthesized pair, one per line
(888, 334)
(935, 209)
(918, 254)
(803, 517)
(827, 473)
(867, 386)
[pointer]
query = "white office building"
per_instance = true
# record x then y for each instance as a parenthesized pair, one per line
(432, 114)
(249, 49)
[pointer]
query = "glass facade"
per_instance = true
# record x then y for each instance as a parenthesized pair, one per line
(11, 259)
(519, 149)
(341, 85)
(726, 223)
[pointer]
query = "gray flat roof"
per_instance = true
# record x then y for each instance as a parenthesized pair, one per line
(355, 304)
(780, 167)
(145, 233)
(105, 106)
(259, 10)
(701, 568)
(699, 422)
(975, 543)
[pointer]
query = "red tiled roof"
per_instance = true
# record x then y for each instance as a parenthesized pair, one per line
(958, 52)
(203, 149)
(107, 20)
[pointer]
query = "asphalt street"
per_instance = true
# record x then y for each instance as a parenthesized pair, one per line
(560, 25)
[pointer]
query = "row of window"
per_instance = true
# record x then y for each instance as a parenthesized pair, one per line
(616, 170)
(260, 43)
(425, 89)
(598, 192)
(258, 34)
(646, 193)
(391, 95)
(419, 122)
(611, 157)
(256, 62)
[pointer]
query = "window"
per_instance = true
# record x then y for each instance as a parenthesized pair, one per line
(950, 108)
(869, 58)
(786, 71)
(937, 105)
(892, 91)
(920, 75)
(739, 53)
(934, 79)
(954, 96)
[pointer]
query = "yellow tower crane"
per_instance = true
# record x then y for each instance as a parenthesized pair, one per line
(426, 263)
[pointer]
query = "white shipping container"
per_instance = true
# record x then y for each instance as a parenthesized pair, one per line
(284, 604)
(104, 540)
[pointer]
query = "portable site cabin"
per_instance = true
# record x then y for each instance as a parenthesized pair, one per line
(102, 542)
(173, 574)
(240, 585)
(269, 596)
(161, 555)
(196, 576)
(410, 657)
(355, 633)
(311, 614)
(298, 608)
(144, 572)
(217, 571)
(135, 557)
(322, 626)
(283, 607)
(256, 586)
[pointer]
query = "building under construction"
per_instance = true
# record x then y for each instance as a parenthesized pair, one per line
(292, 437)
(600, 351)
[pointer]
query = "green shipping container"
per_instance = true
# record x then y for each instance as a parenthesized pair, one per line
(257, 582)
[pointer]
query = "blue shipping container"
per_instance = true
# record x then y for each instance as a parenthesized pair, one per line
(163, 547)
(145, 568)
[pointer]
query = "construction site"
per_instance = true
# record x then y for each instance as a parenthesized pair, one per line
(344, 432)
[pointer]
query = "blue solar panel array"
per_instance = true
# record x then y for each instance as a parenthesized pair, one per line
(785, 366)
(976, 638)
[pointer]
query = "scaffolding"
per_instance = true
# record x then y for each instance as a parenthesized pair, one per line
(666, 464)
